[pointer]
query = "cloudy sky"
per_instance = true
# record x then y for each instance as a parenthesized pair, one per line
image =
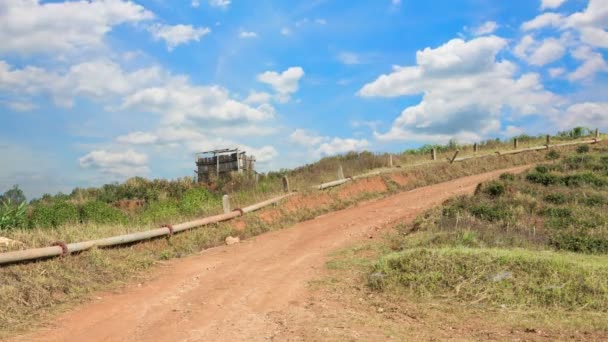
(98, 91)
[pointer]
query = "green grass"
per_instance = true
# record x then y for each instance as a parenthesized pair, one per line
(512, 277)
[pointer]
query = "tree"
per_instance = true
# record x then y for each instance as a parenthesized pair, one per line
(14, 196)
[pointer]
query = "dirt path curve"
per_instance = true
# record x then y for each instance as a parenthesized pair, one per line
(235, 293)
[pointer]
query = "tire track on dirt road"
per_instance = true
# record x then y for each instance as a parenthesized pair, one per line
(234, 293)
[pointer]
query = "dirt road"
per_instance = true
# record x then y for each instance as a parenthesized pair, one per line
(235, 293)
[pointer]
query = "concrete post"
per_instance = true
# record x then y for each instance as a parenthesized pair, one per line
(390, 160)
(434, 154)
(226, 204)
(475, 147)
(340, 172)
(597, 133)
(515, 143)
(286, 184)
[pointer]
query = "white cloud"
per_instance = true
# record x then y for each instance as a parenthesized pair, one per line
(593, 62)
(28, 27)
(486, 28)
(138, 138)
(339, 145)
(286, 31)
(285, 83)
(556, 72)
(219, 3)
(123, 164)
(349, 58)
(305, 138)
(20, 106)
(321, 21)
(513, 131)
(195, 3)
(465, 90)
(550, 4)
(258, 97)
(587, 114)
(175, 35)
(540, 53)
(247, 34)
(543, 20)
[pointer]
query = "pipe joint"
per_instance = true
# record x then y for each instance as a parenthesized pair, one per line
(240, 211)
(169, 227)
(64, 247)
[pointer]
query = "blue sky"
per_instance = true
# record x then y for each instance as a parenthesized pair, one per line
(98, 91)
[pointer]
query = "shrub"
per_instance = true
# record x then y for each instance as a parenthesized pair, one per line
(579, 179)
(165, 211)
(194, 200)
(594, 200)
(545, 179)
(507, 176)
(542, 169)
(490, 213)
(494, 189)
(12, 216)
(557, 212)
(556, 198)
(582, 149)
(101, 213)
(553, 155)
(580, 243)
(54, 215)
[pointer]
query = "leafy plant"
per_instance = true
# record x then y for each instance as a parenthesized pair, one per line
(12, 216)
(101, 213)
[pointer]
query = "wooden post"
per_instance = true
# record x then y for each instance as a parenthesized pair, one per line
(434, 154)
(454, 157)
(340, 172)
(515, 143)
(226, 204)
(548, 140)
(475, 147)
(286, 184)
(597, 134)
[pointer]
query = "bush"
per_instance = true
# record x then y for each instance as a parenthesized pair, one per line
(542, 169)
(579, 179)
(557, 212)
(553, 155)
(160, 212)
(12, 216)
(594, 200)
(494, 189)
(490, 213)
(580, 243)
(508, 176)
(556, 198)
(101, 213)
(54, 215)
(545, 179)
(582, 149)
(195, 200)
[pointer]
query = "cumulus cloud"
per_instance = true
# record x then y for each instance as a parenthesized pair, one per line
(465, 91)
(175, 35)
(551, 4)
(486, 28)
(326, 146)
(247, 34)
(123, 164)
(138, 138)
(586, 114)
(284, 83)
(255, 97)
(540, 53)
(592, 63)
(64, 26)
(219, 3)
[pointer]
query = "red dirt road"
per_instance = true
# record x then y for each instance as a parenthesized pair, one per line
(235, 293)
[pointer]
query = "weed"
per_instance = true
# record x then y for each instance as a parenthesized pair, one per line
(545, 179)
(556, 198)
(553, 155)
(582, 149)
(494, 189)
(490, 213)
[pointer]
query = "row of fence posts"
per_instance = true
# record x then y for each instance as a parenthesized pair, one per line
(226, 199)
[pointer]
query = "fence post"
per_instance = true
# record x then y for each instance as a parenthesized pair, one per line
(340, 172)
(286, 184)
(475, 147)
(597, 135)
(454, 157)
(226, 204)
(390, 160)
(434, 154)
(515, 143)
(548, 140)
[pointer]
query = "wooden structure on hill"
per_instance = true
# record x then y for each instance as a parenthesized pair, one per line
(220, 163)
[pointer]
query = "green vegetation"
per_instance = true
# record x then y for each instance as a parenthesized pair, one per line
(539, 239)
